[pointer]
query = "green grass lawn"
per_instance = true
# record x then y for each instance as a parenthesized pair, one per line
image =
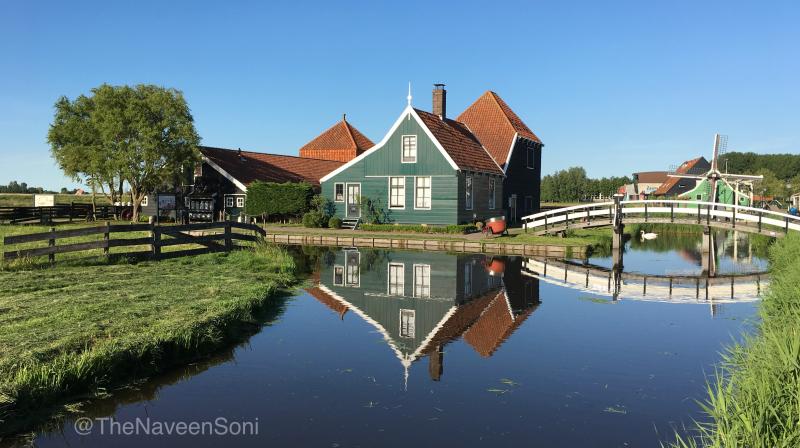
(80, 257)
(26, 200)
(76, 327)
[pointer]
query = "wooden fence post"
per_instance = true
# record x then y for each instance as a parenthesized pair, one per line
(106, 237)
(51, 243)
(156, 243)
(228, 242)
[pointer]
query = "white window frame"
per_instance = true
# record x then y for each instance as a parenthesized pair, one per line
(145, 201)
(335, 194)
(408, 331)
(393, 288)
(402, 197)
(430, 192)
(412, 138)
(239, 201)
(349, 272)
(340, 270)
(426, 274)
(469, 197)
(228, 201)
(492, 193)
(529, 157)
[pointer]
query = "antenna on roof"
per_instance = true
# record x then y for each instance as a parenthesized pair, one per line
(409, 93)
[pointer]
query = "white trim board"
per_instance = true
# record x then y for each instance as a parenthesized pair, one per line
(219, 169)
(407, 113)
(510, 150)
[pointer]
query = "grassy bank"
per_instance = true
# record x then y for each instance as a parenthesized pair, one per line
(73, 329)
(755, 400)
(586, 238)
(26, 200)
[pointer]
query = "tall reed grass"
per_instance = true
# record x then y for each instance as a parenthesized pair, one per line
(754, 401)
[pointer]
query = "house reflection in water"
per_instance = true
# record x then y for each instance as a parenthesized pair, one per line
(420, 301)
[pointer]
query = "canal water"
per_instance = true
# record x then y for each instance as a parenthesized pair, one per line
(392, 348)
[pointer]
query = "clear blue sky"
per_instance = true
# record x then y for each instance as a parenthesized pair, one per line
(615, 87)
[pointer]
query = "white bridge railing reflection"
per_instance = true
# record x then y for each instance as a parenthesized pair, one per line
(617, 285)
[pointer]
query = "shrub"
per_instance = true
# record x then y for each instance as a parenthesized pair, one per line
(372, 210)
(270, 198)
(335, 222)
(313, 219)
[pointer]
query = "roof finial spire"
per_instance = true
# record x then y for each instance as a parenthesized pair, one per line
(344, 117)
(409, 93)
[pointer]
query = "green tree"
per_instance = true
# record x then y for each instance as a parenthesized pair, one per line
(143, 136)
(771, 185)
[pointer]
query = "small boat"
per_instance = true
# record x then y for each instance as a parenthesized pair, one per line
(648, 235)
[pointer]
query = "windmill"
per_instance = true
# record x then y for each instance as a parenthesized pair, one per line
(714, 176)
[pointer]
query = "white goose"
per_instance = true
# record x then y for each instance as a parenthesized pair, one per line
(648, 235)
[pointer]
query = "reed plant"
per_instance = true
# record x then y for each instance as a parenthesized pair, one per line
(754, 398)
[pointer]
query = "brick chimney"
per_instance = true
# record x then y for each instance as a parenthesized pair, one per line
(440, 101)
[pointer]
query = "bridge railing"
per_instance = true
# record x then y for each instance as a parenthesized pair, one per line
(545, 220)
(701, 212)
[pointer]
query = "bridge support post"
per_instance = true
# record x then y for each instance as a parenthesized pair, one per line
(708, 253)
(618, 236)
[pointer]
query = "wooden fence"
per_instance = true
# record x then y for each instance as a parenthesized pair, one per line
(47, 215)
(214, 237)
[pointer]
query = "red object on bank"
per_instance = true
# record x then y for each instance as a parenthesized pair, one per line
(496, 225)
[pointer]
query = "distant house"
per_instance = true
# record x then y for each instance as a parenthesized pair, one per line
(675, 186)
(513, 146)
(341, 142)
(430, 169)
(647, 182)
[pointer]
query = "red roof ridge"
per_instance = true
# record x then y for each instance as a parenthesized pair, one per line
(506, 109)
(460, 143)
(264, 153)
(349, 131)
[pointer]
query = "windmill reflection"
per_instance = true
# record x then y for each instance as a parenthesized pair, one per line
(421, 301)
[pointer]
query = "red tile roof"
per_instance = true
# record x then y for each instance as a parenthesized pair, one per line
(687, 167)
(652, 177)
(341, 142)
(459, 321)
(494, 123)
(494, 326)
(324, 298)
(254, 166)
(459, 143)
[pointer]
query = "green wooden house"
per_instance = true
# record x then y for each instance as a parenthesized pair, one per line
(428, 169)
(725, 194)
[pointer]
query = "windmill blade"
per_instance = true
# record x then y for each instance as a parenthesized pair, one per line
(720, 146)
(687, 176)
(742, 176)
(715, 154)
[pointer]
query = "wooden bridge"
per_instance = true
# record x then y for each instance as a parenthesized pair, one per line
(619, 213)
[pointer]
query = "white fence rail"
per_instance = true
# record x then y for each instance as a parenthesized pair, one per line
(605, 213)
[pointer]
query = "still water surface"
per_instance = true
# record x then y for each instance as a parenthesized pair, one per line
(392, 348)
